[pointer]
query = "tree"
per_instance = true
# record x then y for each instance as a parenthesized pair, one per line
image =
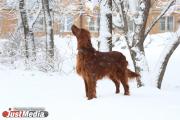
(133, 12)
(106, 25)
(49, 30)
(30, 52)
(164, 59)
(109, 24)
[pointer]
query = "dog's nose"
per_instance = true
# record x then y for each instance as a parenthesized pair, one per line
(74, 27)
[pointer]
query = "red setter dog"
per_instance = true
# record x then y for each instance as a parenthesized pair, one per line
(93, 65)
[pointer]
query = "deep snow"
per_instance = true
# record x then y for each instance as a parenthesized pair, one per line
(63, 94)
(64, 98)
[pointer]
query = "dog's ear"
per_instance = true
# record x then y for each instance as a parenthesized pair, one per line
(74, 29)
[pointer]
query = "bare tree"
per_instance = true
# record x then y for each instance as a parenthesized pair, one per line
(135, 13)
(49, 29)
(106, 25)
(137, 41)
(109, 21)
(164, 59)
(30, 52)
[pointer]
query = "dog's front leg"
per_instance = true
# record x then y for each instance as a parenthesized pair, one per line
(86, 86)
(91, 88)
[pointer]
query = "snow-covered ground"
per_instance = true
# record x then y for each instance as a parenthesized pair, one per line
(63, 95)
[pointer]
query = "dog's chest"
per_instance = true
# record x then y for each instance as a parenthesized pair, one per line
(86, 60)
(86, 63)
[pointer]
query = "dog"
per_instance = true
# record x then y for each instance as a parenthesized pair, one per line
(93, 65)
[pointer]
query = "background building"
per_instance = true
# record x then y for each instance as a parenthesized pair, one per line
(89, 19)
(169, 22)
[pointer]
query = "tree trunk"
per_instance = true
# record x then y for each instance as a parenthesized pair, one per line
(169, 50)
(139, 61)
(135, 38)
(28, 33)
(137, 49)
(106, 25)
(49, 29)
(109, 24)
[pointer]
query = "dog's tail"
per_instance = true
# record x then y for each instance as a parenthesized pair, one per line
(132, 74)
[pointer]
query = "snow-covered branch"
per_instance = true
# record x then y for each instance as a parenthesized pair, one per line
(164, 59)
(122, 14)
(35, 17)
(156, 19)
(165, 56)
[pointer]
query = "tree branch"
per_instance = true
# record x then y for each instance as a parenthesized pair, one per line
(122, 15)
(163, 65)
(156, 20)
(32, 22)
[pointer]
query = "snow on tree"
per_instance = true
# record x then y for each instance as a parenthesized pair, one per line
(165, 57)
(28, 33)
(130, 21)
(49, 29)
(134, 13)
(105, 25)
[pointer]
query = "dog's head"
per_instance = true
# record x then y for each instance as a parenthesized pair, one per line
(80, 33)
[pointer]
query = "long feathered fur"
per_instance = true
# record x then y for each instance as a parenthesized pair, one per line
(93, 65)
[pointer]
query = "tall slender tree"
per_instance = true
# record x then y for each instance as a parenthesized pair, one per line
(105, 25)
(30, 52)
(109, 24)
(49, 29)
(163, 62)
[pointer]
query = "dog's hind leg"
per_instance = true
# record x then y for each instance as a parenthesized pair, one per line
(124, 81)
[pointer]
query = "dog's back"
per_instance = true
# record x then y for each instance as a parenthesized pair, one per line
(101, 64)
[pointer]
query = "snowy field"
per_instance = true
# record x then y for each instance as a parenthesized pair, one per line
(63, 95)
